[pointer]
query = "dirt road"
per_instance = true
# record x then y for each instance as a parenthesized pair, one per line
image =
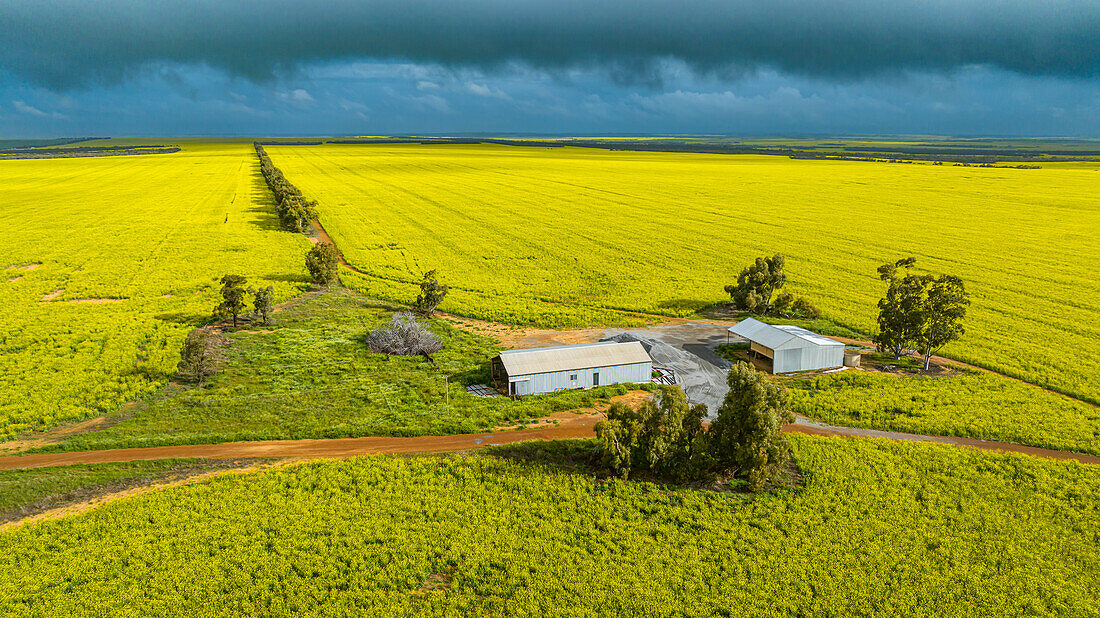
(580, 426)
(812, 427)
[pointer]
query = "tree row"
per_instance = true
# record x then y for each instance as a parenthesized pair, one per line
(296, 213)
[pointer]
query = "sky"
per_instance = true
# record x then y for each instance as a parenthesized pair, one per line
(581, 67)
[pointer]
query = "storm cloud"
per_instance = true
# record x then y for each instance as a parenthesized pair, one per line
(70, 44)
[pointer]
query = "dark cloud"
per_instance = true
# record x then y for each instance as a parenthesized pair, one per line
(68, 43)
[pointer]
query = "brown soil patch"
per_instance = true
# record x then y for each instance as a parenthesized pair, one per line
(24, 267)
(15, 279)
(580, 426)
(94, 301)
(511, 336)
(939, 361)
(52, 295)
(632, 399)
(35, 440)
(185, 477)
(436, 582)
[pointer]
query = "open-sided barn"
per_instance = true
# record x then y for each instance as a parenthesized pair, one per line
(790, 348)
(545, 370)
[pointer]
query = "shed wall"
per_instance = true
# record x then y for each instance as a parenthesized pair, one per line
(808, 358)
(539, 383)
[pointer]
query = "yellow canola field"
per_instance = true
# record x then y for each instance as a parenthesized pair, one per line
(558, 236)
(107, 263)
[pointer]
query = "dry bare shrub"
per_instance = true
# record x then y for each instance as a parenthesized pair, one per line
(404, 336)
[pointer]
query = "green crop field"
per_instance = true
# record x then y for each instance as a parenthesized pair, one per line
(28, 491)
(880, 528)
(563, 236)
(107, 263)
(973, 405)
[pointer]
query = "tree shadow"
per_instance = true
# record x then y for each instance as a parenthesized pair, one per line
(682, 305)
(304, 282)
(577, 455)
(184, 318)
(266, 217)
(582, 456)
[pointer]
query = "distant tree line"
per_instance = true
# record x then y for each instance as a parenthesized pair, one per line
(85, 151)
(296, 213)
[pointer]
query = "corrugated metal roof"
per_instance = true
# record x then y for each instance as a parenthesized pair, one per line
(808, 335)
(780, 336)
(569, 357)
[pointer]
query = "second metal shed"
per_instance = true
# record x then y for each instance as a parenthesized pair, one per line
(790, 348)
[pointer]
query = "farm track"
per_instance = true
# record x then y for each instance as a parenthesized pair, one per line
(580, 426)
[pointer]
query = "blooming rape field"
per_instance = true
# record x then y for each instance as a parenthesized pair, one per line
(567, 236)
(107, 263)
(880, 527)
(975, 404)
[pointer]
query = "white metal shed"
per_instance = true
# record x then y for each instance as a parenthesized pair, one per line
(790, 348)
(545, 370)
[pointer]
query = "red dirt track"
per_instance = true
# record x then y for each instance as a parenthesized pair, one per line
(579, 427)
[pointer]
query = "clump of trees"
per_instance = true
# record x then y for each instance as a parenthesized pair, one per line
(920, 313)
(432, 292)
(295, 212)
(759, 282)
(666, 437)
(199, 356)
(234, 294)
(322, 261)
(404, 336)
(264, 303)
(747, 435)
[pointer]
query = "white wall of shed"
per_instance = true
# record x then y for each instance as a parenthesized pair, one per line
(539, 383)
(807, 359)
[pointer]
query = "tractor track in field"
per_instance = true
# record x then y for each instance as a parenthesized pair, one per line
(320, 235)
